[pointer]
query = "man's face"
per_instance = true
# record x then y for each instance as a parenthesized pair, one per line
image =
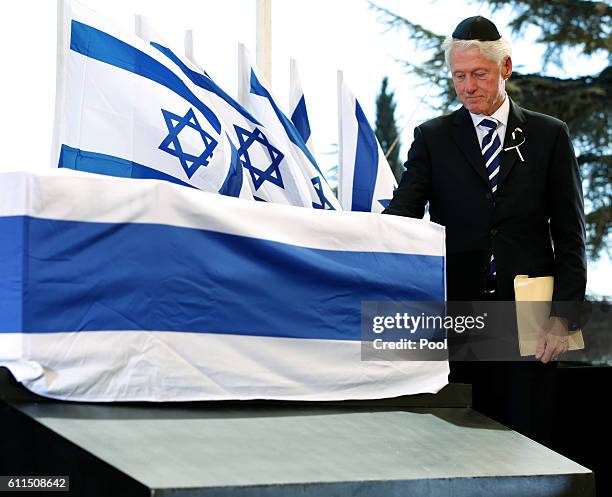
(479, 82)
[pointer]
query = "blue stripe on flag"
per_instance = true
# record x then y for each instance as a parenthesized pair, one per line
(206, 83)
(258, 89)
(94, 276)
(300, 119)
(93, 162)
(13, 246)
(366, 164)
(98, 45)
(233, 181)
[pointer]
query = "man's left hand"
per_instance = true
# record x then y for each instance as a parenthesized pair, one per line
(552, 340)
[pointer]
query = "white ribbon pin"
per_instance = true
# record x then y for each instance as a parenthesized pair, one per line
(517, 135)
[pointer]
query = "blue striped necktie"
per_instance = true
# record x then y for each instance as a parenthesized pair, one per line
(491, 152)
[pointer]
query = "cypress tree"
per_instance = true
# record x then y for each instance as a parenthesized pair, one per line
(386, 128)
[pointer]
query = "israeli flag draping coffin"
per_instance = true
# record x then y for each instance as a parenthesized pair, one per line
(123, 110)
(141, 290)
(366, 182)
(255, 94)
(268, 166)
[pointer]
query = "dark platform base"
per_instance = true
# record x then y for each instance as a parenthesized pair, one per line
(280, 449)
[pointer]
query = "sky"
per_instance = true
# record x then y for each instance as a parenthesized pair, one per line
(322, 35)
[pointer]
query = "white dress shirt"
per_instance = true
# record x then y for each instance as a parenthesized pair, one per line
(500, 116)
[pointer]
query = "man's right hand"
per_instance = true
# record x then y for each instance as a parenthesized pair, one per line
(553, 340)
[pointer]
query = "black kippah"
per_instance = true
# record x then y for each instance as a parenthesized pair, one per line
(476, 28)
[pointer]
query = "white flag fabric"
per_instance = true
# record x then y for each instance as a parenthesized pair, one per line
(117, 289)
(297, 106)
(256, 96)
(123, 110)
(365, 180)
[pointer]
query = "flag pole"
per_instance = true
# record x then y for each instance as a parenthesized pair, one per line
(264, 38)
(189, 45)
(293, 81)
(62, 7)
(242, 89)
(141, 28)
(190, 52)
(339, 81)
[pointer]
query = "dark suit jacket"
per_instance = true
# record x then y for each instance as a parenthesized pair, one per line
(535, 226)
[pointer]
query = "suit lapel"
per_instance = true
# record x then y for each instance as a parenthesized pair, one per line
(516, 119)
(464, 135)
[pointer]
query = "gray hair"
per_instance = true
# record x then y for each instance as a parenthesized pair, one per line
(496, 51)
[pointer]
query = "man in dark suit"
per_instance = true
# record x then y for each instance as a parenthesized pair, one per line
(504, 182)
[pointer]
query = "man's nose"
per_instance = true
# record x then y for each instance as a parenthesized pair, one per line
(470, 84)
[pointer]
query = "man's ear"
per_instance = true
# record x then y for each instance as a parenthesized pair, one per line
(506, 68)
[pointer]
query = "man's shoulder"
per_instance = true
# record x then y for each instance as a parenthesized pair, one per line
(541, 119)
(439, 123)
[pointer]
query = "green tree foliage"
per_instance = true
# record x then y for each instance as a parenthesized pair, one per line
(584, 103)
(386, 128)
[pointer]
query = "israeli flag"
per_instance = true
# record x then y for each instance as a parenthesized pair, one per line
(123, 110)
(268, 166)
(122, 290)
(255, 94)
(366, 182)
(297, 106)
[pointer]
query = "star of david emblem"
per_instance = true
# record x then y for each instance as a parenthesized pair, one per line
(250, 159)
(172, 144)
(316, 182)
